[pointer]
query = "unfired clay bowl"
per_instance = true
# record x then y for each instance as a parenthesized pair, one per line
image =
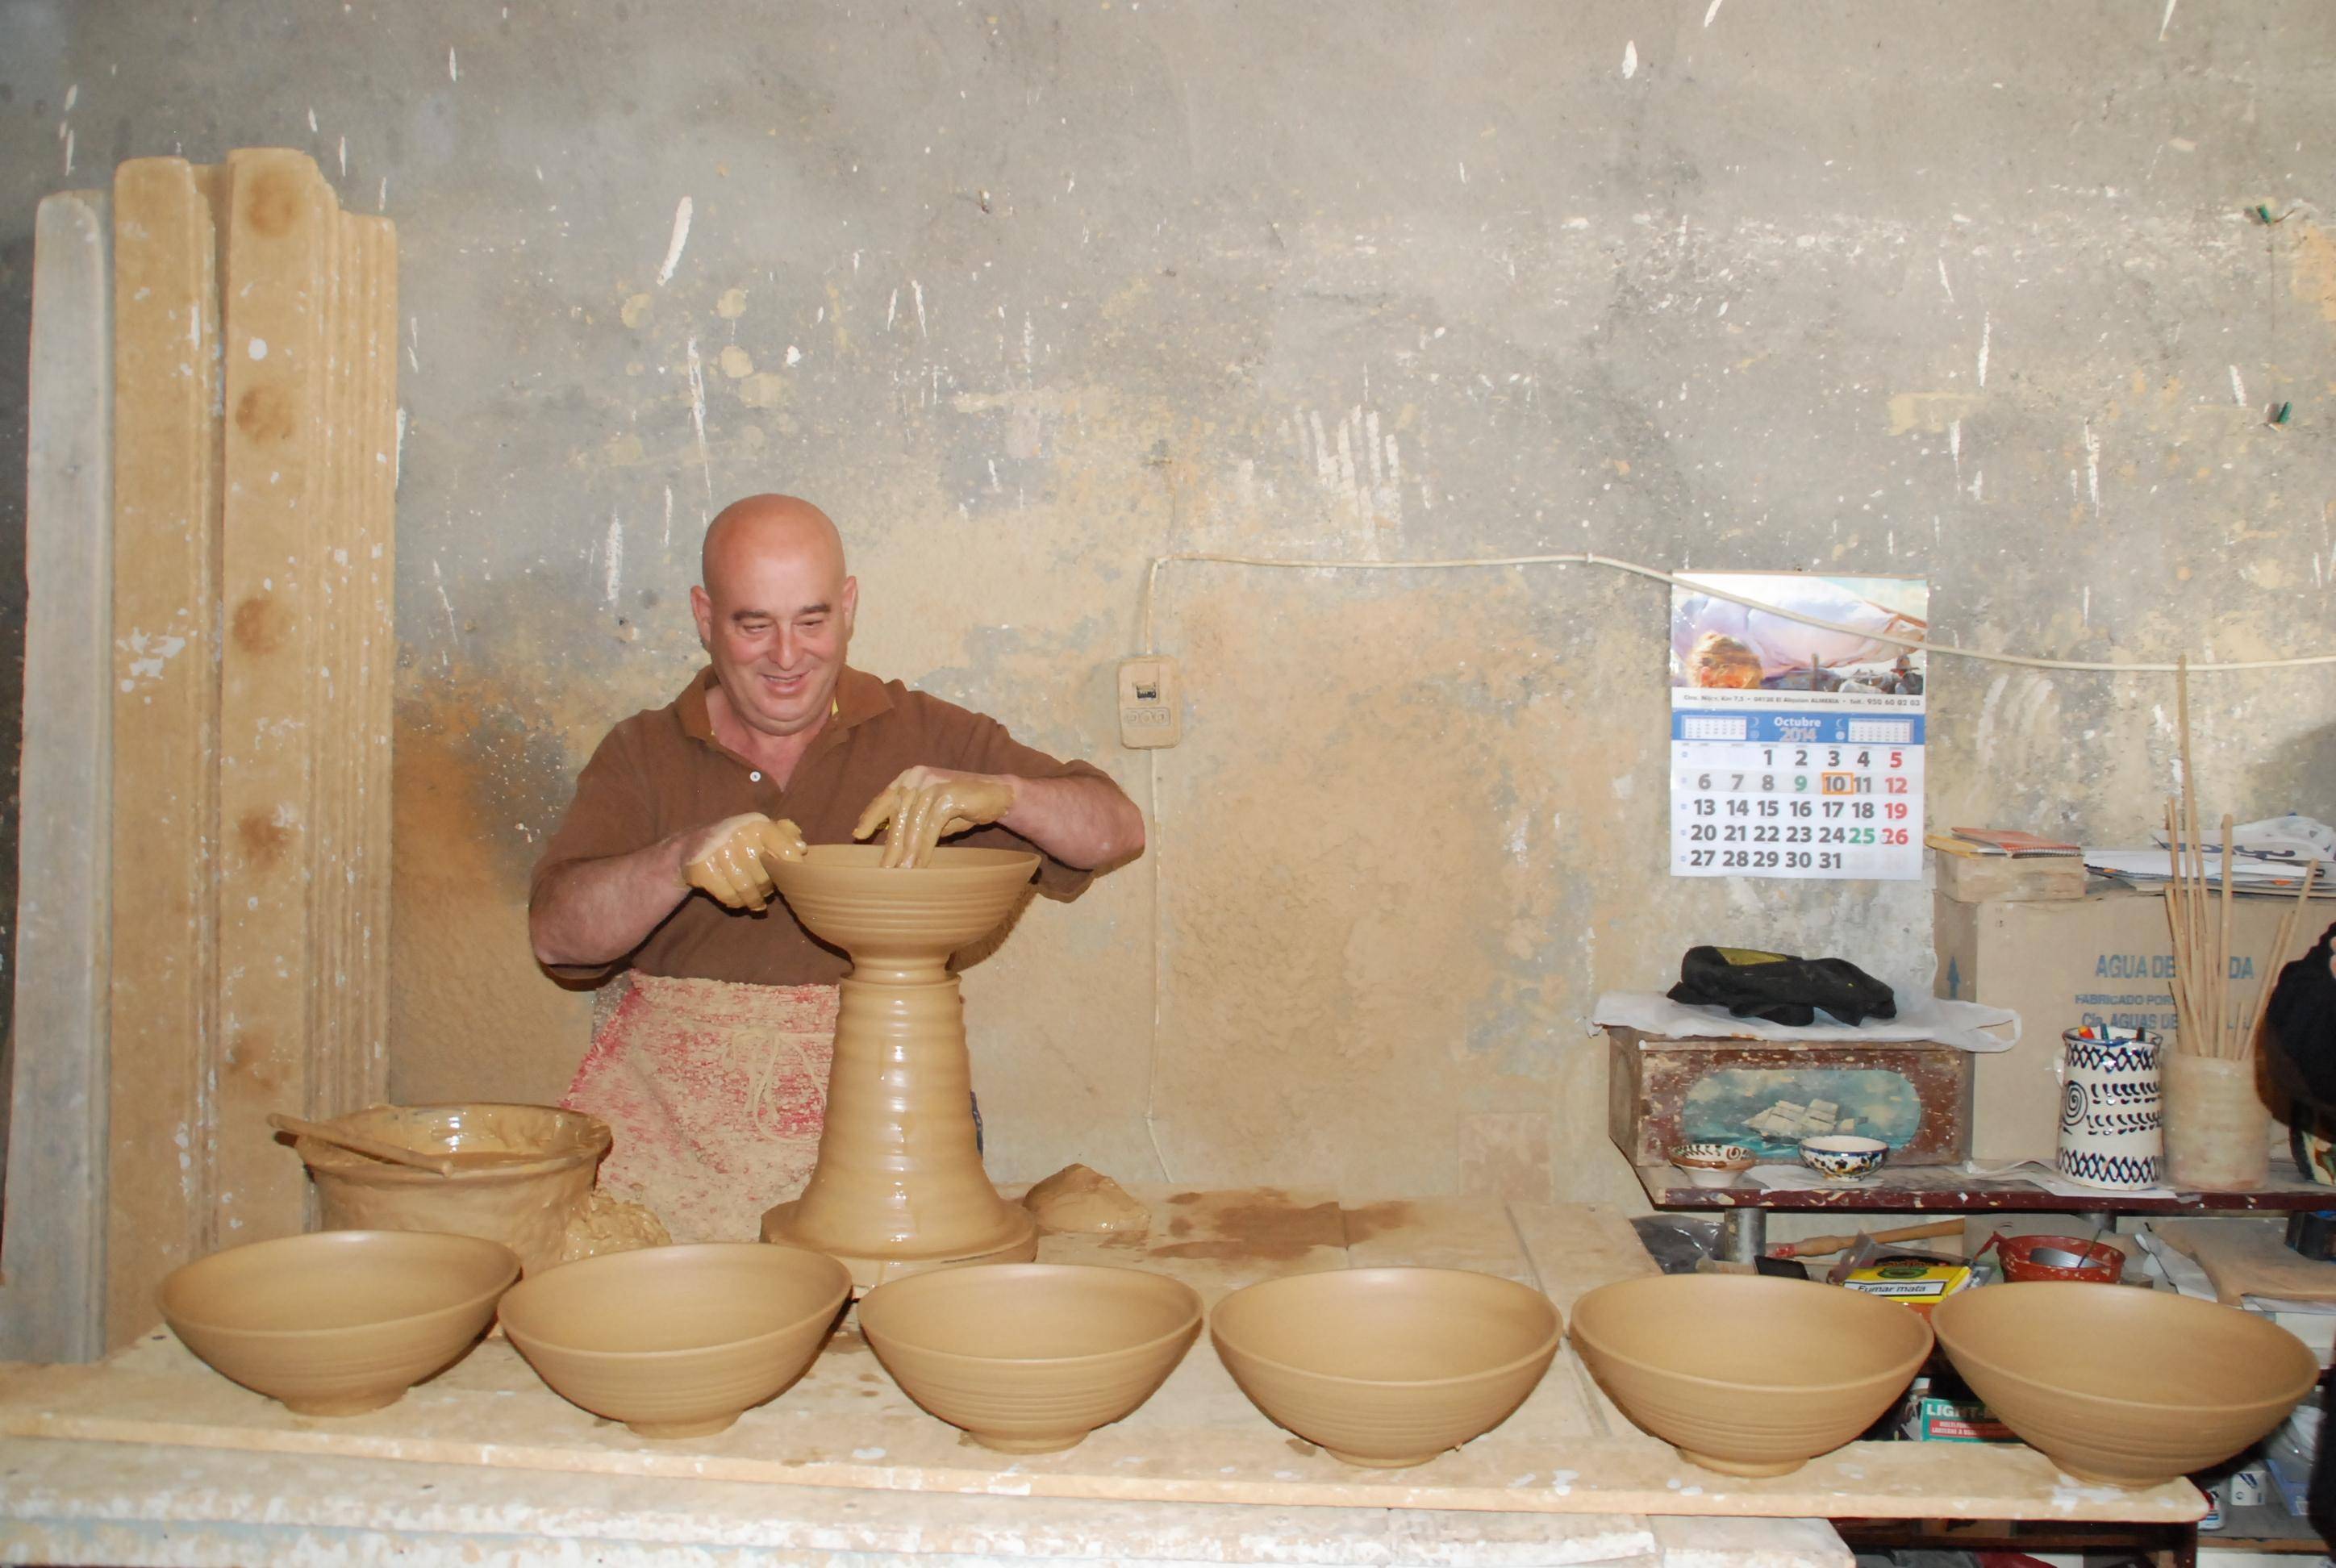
(2121, 1385)
(342, 1321)
(523, 1202)
(1748, 1375)
(677, 1342)
(1030, 1358)
(1387, 1367)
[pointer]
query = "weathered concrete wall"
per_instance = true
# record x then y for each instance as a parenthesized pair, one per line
(1025, 294)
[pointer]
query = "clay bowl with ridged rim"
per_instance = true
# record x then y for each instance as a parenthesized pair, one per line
(2120, 1384)
(677, 1342)
(342, 1321)
(1387, 1367)
(1748, 1374)
(1030, 1358)
(843, 894)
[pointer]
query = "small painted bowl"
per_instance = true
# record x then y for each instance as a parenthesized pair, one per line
(1712, 1164)
(1844, 1156)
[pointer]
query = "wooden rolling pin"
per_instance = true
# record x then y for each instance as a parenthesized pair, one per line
(1818, 1246)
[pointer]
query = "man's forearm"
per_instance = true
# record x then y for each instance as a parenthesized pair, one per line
(1081, 821)
(597, 911)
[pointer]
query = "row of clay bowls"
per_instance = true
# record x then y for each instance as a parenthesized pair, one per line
(1381, 1366)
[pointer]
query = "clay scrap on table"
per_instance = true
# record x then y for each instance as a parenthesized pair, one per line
(1079, 1198)
(605, 1225)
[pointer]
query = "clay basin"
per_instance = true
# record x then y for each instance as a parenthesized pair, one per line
(341, 1321)
(677, 1342)
(1748, 1375)
(902, 917)
(1030, 1358)
(524, 1171)
(2120, 1384)
(1387, 1367)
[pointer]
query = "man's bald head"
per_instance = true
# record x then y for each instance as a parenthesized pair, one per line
(761, 525)
(775, 611)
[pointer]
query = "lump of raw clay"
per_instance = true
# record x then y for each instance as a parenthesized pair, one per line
(1077, 1198)
(605, 1225)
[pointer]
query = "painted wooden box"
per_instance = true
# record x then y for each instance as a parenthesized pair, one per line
(1769, 1095)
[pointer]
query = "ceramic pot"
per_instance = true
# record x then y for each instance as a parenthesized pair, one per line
(1712, 1164)
(523, 1202)
(1844, 1156)
(2217, 1127)
(2109, 1132)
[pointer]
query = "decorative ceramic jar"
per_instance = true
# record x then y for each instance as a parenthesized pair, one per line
(2109, 1132)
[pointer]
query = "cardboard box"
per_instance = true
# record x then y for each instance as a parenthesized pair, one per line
(1977, 879)
(1662, 1093)
(1929, 1419)
(2106, 958)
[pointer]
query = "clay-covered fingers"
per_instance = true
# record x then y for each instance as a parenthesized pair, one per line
(911, 843)
(728, 858)
(878, 811)
(782, 841)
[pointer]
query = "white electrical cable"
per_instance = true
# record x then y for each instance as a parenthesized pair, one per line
(1152, 587)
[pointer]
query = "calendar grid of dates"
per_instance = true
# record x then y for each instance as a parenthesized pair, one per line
(1829, 793)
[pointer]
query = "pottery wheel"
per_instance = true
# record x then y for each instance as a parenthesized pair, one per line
(899, 1187)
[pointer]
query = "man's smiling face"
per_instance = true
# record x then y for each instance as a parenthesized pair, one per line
(775, 612)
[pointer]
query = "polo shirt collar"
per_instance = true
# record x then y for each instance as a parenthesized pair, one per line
(858, 697)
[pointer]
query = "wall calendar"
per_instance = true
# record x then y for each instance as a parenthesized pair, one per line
(1797, 751)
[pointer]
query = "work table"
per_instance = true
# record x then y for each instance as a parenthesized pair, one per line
(844, 1462)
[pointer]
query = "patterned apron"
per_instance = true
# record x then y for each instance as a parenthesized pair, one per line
(716, 1092)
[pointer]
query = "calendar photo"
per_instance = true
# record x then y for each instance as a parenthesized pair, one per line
(1796, 748)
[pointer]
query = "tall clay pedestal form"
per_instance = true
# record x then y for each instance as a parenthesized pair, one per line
(899, 1187)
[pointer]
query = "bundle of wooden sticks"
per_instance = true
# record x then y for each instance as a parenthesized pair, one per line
(2208, 1021)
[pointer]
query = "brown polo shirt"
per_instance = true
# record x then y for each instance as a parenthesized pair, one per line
(662, 771)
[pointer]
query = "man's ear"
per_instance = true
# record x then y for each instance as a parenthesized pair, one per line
(701, 610)
(850, 598)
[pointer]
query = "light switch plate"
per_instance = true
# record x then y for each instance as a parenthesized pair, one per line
(1151, 703)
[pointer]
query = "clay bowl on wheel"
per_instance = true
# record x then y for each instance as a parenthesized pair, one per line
(1030, 1358)
(1748, 1375)
(341, 1321)
(676, 1341)
(2119, 1384)
(845, 896)
(1387, 1367)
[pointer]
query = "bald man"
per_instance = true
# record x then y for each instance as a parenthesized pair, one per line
(709, 1055)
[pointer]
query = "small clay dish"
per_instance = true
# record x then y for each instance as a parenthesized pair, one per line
(1844, 1156)
(1748, 1375)
(677, 1342)
(1713, 1165)
(1387, 1367)
(342, 1321)
(1030, 1358)
(2122, 1386)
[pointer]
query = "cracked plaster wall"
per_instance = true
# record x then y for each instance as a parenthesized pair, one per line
(1025, 294)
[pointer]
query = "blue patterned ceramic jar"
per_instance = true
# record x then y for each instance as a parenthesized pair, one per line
(2110, 1136)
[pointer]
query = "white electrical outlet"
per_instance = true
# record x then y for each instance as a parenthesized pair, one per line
(1151, 710)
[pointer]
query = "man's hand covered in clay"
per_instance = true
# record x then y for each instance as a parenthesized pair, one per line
(732, 859)
(927, 804)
